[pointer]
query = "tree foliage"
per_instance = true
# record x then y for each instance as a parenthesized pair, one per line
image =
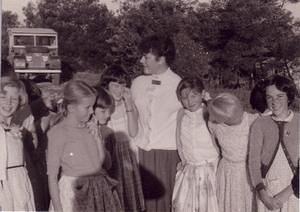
(242, 34)
(223, 41)
(9, 20)
(82, 26)
(143, 18)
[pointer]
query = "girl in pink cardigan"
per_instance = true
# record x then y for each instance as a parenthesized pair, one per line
(274, 150)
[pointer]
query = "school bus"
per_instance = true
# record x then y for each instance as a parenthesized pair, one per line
(34, 51)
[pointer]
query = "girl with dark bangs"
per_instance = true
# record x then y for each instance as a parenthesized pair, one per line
(119, 137)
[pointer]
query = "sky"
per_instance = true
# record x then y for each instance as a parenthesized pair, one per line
(17, 5)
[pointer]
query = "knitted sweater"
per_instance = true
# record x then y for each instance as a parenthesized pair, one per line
(264, 143)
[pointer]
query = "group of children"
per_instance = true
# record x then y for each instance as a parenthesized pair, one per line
(230, 160)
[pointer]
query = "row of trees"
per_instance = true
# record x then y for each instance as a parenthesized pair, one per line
(223, 42)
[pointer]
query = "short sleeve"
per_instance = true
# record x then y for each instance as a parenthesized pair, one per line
(55, 149)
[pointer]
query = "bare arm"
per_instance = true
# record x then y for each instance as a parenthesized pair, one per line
(28, 124)
(132, 113)
(34, 137)
(178, 141)
(54, 192)
(56, 143)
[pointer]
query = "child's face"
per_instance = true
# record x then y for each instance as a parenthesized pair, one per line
(9, 101)
(116, 89)
(102, 115)
(277, 100)
(191, 99)
(84, 109)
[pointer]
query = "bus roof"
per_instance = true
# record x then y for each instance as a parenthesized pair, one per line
(31, 31)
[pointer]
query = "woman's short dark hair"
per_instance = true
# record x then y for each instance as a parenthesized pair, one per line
(114, 73)
(104, 100)
(193, 83)
(160, 46)
(258, 97)
(283, 84)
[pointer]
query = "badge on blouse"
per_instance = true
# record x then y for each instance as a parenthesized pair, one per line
(156, 82)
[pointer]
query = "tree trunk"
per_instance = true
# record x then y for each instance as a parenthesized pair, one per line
(288, 71)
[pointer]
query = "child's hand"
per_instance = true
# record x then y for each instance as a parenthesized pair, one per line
(284, 195)
(270, 202)
(128, 99)
(127, 95)
(206, 96)
(92, 126)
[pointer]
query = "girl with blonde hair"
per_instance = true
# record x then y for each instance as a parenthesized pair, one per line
(15, 188)
(230, 125)
(83, 185)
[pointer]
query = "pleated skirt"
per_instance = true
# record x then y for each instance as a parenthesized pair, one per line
(195, 188)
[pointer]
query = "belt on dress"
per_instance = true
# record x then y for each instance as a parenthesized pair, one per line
(234, 162)
(204, 162)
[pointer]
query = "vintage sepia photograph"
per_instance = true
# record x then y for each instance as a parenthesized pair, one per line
(150, 105)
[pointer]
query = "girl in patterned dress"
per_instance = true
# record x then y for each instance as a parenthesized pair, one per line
(230, 125)
(194, 189)
(15, 187)
(123, 122)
